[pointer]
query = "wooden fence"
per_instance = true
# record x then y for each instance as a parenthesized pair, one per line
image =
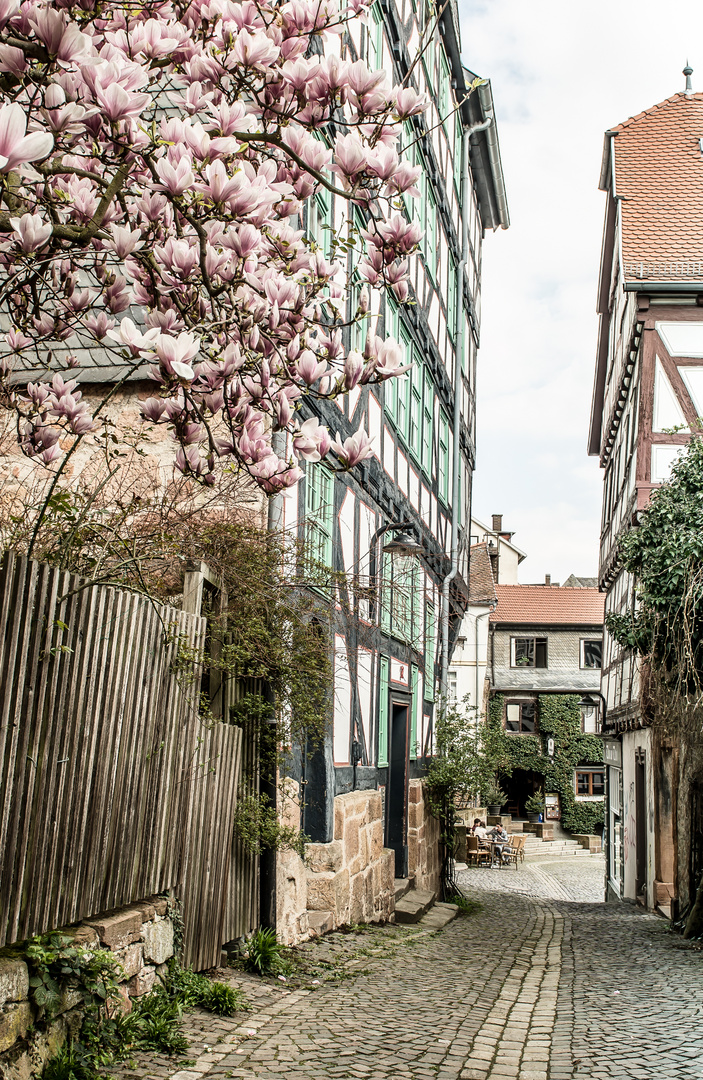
(111, 787)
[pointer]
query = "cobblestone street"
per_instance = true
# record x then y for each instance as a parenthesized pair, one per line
(534, 985)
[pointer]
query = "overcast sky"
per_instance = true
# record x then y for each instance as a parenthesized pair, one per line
(561, 74)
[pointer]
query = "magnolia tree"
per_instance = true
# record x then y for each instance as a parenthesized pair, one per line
(154, 163)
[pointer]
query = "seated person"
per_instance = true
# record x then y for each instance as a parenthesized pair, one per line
(499, 834)
(480, 829)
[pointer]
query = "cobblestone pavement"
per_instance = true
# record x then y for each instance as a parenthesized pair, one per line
(530, 986)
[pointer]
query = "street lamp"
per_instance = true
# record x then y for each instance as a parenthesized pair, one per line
(403, 543)
(588, 701)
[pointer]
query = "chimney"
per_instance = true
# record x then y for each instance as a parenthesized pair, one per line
(497, 523)
(547, 579)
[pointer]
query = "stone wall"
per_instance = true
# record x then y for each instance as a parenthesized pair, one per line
(423, 841)
(141, 938)
(351, 879)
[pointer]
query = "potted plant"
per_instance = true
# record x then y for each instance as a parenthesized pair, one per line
(495, 797)
(534, 806)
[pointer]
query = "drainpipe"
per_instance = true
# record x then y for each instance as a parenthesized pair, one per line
(456, 430)
(482, 615)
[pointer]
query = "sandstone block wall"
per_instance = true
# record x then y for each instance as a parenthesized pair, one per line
(423, 840)
(349, 880)
(140, 937)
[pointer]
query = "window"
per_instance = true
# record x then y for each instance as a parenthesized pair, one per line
(528, 652)
(382, 759)
(444, 96)
(430, 245)
(427, 423)
(520, 717)
(590, 720)
(590, 782)
(375, 38)
(319, 513)
(443, 457)
(451, 301)
(320, 221)
(591, 653)
(401, 608)
(415, 424)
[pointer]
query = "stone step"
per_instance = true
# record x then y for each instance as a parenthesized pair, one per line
(402, 886)
(578, 853)
(413, 906)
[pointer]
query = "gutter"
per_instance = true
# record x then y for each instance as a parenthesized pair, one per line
(664, 286)
(485, 95)
(460, 327)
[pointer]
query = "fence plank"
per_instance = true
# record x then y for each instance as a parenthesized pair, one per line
(110, 785)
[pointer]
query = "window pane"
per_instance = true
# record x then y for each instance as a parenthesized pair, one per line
(582, 783)
(598, 783)
(524, 652)
(512, 717)
(592, 654)
(528, 716)
(541, 653)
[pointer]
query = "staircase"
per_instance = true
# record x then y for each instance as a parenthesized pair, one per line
(535, 847)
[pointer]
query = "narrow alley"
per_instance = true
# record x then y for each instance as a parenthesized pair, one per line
(533, 985)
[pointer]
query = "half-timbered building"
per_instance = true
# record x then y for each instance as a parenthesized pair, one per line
(647, 396)
(392, 530)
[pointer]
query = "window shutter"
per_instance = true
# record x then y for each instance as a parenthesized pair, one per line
(430, 641)
(383, 712)
(416, 706)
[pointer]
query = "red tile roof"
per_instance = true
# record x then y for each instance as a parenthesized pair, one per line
(659, 179)
(546, 604)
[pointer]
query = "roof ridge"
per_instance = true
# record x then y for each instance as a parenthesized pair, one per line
(678, 97)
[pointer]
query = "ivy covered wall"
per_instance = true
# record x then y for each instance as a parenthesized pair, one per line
(559, 718)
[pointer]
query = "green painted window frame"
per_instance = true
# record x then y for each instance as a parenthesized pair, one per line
(374, 51)
(319, 512)
(443, 457)
(431, 233)
(444, 95)
(415, 412)
(321, 205)
(458, 128)
(430, 646)
(427, 422)
(414, 709)
(390, 386)
(451, 298)
(403, 385)
(383, 688)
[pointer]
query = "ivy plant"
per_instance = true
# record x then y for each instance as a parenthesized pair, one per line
(560, 720)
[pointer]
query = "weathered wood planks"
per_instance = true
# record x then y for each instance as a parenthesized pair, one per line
(111, 786)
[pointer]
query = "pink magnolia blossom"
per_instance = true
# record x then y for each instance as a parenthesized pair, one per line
(17, 148)
(31, 231)
(353, 450)
(168, 225)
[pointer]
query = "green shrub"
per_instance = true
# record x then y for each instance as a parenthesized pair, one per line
(72, 1062)
(191, 989)
(263, 953)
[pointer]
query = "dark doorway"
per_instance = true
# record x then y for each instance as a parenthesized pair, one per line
(316, 816)
(640, 826)
(397, 794)
(519, 787)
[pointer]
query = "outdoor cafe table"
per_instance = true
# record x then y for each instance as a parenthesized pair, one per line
(496, 849)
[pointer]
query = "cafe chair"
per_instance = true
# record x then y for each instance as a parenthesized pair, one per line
(475, 853)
